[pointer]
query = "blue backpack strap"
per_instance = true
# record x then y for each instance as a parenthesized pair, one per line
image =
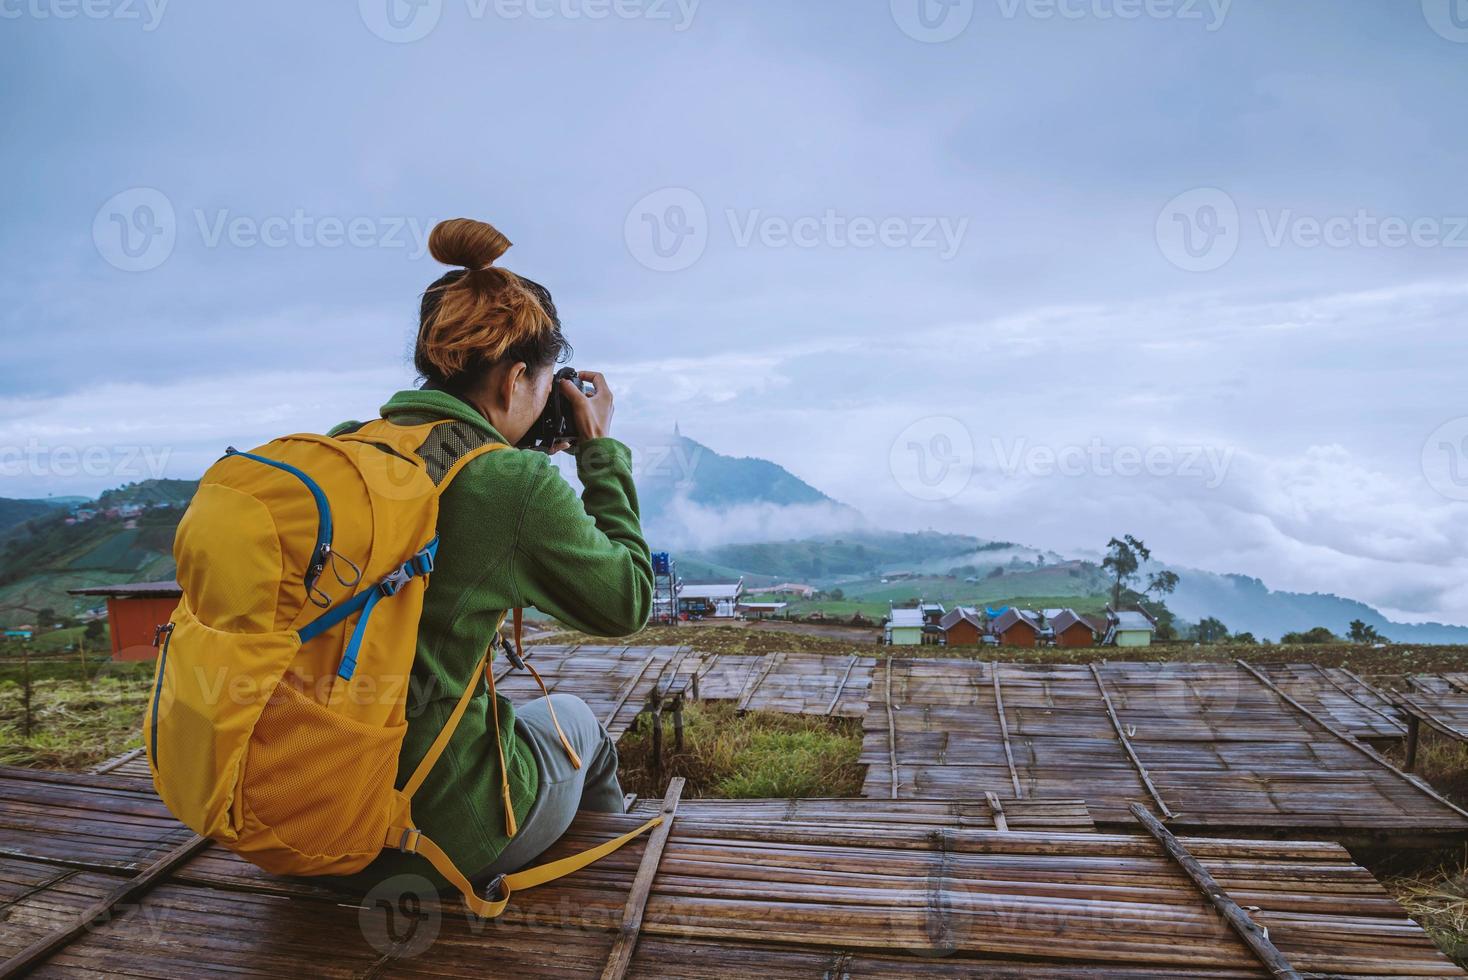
(364, 602)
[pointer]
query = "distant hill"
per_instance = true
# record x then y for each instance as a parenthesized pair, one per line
(13, 512)
(830, 559)
(691, 497)
(43, 556)
(723, 517)
(1247, 604)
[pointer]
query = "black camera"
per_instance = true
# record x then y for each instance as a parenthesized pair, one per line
(556, 423)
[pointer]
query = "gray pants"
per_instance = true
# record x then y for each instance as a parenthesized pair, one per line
(563, 789)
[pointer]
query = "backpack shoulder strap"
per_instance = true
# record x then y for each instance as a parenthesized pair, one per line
(443, 447)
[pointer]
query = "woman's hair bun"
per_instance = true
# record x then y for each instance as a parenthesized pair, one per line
(468, 243)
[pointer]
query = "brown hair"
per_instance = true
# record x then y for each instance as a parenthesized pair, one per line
(478, 315)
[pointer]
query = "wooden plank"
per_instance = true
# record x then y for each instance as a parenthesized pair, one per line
(116, 762)
(1001, 823)
(891, 732)
(625, 944)
(1126, 744)
(39, 951)
(841, 687)
(1358, 699)
(1361, 747)
(1256, 938)
(771, 661)
(1019, 792)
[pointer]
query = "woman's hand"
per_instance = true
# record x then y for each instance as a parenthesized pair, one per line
(593, 414)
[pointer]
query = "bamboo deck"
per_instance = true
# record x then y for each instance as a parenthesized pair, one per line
(1444, 712)
(1450, 683)
(758, 899)
(1059, 816)
(1212, 747)
(1349, 701)
(614, 681)
(796, 683)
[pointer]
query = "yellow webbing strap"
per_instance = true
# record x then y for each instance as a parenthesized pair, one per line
(550, 705)
(413, 842)
(447, 732)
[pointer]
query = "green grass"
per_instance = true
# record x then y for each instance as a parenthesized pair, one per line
(74, 724)
(751, 756)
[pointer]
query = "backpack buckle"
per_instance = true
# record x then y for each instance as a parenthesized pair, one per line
(509, 648)
(409, 841)
(390, 585)
(423, 562)
(496, 891)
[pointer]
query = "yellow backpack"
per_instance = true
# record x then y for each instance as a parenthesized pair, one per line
(279, 699)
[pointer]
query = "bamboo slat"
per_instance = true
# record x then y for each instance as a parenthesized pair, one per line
(614, 681)
(1227, 751)
(1342, 698)
(1060, 816)
(620, 958)
(781, 900)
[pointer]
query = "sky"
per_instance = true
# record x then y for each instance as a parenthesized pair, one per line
(1045, 271)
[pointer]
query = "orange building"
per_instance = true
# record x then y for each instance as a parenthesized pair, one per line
(134, 612)
(962, 627)
(1072, 629)
(1017, 628)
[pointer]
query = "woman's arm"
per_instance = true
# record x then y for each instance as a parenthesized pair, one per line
(585, 561)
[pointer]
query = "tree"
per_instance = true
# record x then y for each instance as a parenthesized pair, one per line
(1359, 632)
(1211, 630)
(95, 630)
(836, 595)
(1245, 638)
(1317, 635)
(1162, 583)
(1123, 558)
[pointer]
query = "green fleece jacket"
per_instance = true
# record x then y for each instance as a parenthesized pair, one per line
(513, 534)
